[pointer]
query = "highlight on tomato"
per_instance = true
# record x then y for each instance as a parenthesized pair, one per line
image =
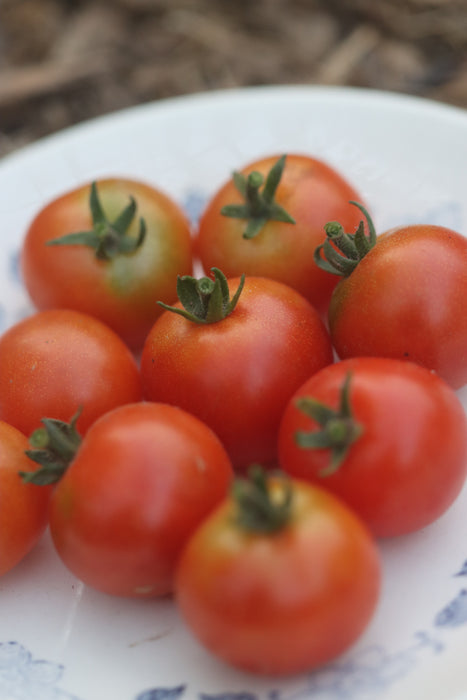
(56, 360)
(267, 220)
(281, 578)
(232, 352)
(387, 436)
(129, 494)
(23, 506)
(111, 249)
(401, 295)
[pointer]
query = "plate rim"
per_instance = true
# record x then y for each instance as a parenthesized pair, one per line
(200, 100)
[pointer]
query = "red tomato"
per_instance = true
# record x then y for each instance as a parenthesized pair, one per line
(143, 478)
(394, 448)
(111, 276)
(54, 362)
(311, 192)
(281, 601)
(23, 507)
(405, 300)
(238, 373)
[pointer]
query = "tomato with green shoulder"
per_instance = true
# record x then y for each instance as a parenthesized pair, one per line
(111, 249)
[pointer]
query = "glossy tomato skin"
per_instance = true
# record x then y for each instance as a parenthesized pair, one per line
(313, 193)
(144, 477)
(54, 362)
(23, 506)
(237, 374)
(123, 291)
(405, 300)
(282, 603)
(410, 462)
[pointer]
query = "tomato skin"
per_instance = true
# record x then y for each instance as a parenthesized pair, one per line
(23, 506)
(237, 374)
(121, 292)
(143, 478)
(56, 361)
(282, 603)
(410, 462)
(405, 300)
(313, 194)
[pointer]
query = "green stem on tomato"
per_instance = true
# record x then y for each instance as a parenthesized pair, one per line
(341, 252)
(53, 447)
(258, 509)
(338, 432)
(205, 300)
(259, 204)
(107, 238)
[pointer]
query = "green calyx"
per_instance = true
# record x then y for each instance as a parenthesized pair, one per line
(341, 252)
(107, 238)
(53, 447)
(338, 428)
(258, 509)
(259, 205)
(205, 300)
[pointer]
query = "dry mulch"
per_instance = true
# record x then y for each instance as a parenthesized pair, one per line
(65, 61)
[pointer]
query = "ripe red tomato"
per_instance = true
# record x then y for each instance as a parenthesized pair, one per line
(54, 362)
(282, 589)
(23, 507)
(405, 299)
(143, 478)
(309, 191)
(387, 436)
(237, 373)
(107, 271)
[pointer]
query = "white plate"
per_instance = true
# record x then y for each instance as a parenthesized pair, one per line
(59, 639)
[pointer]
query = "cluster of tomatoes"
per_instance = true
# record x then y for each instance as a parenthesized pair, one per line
(197, 436)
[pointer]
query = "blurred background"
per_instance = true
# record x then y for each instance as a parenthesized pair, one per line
(66, 61)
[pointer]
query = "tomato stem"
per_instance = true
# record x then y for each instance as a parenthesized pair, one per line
(259, 204)
(338, 431)
(205, 300)
(341, 252)
(259, 509)
(53, 447)
(108, 238)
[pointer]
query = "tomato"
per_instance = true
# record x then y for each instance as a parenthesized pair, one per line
(279, 581)
(142, 479)
(387, 436)
(56, 361)
(135, 241)
(404, 300)
(237, 372)
(23, 507)
(273, 229)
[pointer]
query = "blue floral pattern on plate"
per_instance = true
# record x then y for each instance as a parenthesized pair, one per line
(24, 678)
(162, 693)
